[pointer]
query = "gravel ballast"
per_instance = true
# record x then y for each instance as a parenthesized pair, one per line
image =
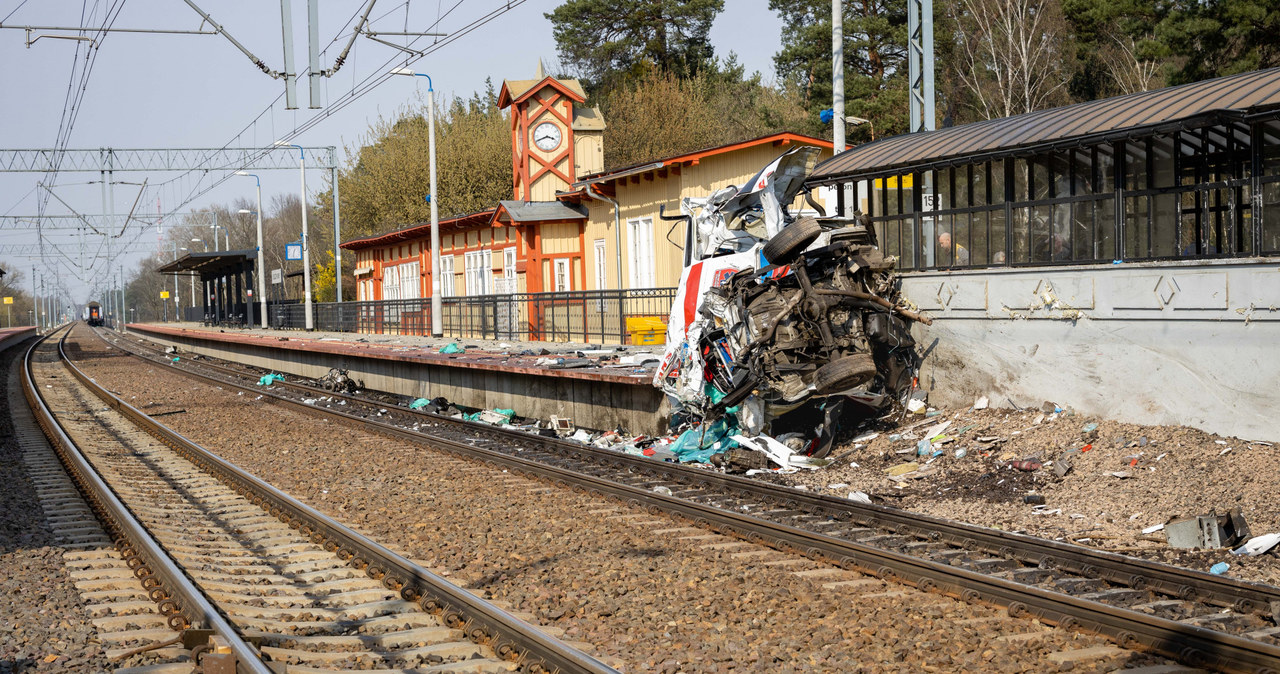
(645, 590)
(44, 626)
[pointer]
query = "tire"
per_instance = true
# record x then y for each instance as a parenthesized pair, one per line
(791, 241)
(843, 374)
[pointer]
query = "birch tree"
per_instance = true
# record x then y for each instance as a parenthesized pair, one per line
(1010, 55)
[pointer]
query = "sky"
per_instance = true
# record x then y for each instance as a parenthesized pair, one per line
(199, 91)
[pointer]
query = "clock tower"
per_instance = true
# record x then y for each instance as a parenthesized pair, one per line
(555, 139)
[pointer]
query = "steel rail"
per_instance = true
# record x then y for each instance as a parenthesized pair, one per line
(183, 604)
(1240, 595)
(1190, 644)
(510, 637)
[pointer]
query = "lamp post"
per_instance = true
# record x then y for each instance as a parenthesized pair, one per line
(437, 323)
(204, 301)
(262, 284)
(225, 232)
(306, 248)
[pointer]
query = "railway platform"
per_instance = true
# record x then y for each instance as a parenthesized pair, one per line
(595, 386)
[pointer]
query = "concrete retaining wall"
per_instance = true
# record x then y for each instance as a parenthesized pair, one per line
(589, 403)
(1190, 343)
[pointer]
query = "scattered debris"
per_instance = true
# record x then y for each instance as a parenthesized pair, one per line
(1258, 545)
(269, 379)
(452, 347)
(338, 381)
(1207, 531)
(1219, 568)
(981, 403)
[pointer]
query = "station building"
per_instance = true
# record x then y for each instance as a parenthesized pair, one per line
(557, 233)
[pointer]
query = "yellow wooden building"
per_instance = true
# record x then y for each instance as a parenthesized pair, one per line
(557, 233)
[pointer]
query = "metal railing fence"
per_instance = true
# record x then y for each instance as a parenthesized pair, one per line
(586, 316)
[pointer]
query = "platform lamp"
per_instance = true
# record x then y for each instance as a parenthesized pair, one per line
(437, 323)
(306, 247)
(262, 284)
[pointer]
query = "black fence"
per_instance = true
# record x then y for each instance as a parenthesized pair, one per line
(599, 316)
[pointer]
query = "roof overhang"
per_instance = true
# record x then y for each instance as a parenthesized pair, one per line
(537, 211)
(213, 263)
(693, 158)
(1234, 98)
(418, 231)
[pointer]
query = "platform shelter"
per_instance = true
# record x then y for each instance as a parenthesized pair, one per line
(226, 278)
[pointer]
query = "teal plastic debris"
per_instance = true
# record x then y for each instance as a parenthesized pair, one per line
(696, 445)
(474, 416)
(713, 394)
(419, 404)
(268, 379)
(1219, 568)
(452, 347)
(175, 359)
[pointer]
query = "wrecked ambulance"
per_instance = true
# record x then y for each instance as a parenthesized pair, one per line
(783, 320)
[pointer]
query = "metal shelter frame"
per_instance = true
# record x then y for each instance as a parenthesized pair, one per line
(224, 276)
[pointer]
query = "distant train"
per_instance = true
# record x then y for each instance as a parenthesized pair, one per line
(93, 313)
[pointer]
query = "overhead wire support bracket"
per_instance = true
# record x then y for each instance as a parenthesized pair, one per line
(342, 58)
(402, 48)
(79, 38)
(217, 28)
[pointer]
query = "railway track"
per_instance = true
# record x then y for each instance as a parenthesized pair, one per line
(1199, 619)
(244, 577)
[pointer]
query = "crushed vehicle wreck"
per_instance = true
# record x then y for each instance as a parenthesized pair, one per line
(782, 321)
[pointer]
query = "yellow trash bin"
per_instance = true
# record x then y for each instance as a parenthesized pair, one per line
(646, 330)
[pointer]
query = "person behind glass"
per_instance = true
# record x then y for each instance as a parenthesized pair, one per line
(960, 256)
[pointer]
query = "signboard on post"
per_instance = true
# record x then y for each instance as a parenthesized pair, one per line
(277, 277)
(8, 300)
(293, 251)
(164, 294)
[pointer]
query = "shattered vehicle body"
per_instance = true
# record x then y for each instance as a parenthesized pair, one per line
(781, 321)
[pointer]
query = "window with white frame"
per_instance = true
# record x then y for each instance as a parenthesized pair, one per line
(446, 276)
(640, 236)
(390, 283)
(410, 281)
(601, 266)
(478, 265)
(562, 280)
(509, 267)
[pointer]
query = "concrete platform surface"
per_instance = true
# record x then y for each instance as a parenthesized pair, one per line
(488, 375)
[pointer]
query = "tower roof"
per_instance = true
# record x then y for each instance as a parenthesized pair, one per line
(516, 91)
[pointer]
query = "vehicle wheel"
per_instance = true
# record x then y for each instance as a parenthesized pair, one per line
(791, 241)
(846, 373)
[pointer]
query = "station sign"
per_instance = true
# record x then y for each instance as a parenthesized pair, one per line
(293, 251)
(277, 277)
(164, 294)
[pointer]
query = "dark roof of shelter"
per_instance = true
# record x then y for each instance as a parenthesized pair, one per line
(537, 211)
(212, 262)
(1118, 116)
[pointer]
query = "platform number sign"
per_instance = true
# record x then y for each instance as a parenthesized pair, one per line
(293, 251)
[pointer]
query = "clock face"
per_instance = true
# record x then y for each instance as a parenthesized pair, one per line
(546, 136)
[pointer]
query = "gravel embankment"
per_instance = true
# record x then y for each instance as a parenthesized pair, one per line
(651, 600)
(1132, 477)
(43, 623)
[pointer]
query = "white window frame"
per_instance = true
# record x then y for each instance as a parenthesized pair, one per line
(640, 236)
(391, 283)
(446, 276)
(410, 280)
(479, 272)
(509, 268)
(562, 274)
(602, 266)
